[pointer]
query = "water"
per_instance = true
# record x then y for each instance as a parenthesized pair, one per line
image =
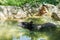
(22, 38)
(41, 39)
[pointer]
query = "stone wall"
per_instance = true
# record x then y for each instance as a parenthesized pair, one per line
(10, 11)
(21, 12)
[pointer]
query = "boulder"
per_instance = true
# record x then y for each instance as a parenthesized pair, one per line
(52, 11)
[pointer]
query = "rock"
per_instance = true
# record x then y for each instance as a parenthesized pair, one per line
(55, 16)
(11, 12)
(52, 11)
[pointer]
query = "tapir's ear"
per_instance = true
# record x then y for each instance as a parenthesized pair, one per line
(31, 21)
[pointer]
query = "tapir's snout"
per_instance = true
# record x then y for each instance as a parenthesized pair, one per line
(22, 24)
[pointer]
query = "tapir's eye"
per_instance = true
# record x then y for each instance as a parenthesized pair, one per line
(23, 23)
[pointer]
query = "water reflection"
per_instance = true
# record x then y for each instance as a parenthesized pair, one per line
(27, 38)
(22, 38)
(41, 39)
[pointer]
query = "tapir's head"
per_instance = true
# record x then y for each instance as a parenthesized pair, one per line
(22, 24)
(25, 24)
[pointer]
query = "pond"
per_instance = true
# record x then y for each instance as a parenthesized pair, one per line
(27, 38)
(8, 29)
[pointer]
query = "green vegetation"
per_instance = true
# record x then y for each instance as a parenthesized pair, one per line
(9, 29)
(22, 2)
